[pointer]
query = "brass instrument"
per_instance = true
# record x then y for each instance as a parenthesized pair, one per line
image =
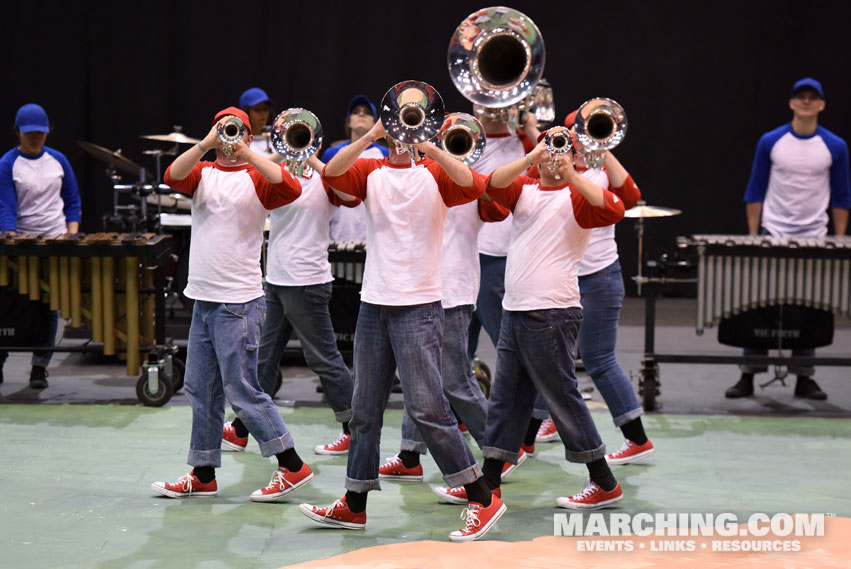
(411, 113)
(462, 137)
(557, 141)
(231, 130)
(600, 126)
(297, 135)
(496, 57)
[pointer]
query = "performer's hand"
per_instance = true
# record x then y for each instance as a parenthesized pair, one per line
(377, 131)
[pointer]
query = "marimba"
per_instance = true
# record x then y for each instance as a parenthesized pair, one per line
(739, 273)
(109, 282)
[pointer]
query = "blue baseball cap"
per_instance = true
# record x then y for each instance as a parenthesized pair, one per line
(808, 83)
(253, 96)
(362, 100)
(31, 117)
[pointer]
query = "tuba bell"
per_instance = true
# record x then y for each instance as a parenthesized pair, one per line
(600, 126)
(462, 137)
(230, 130)
(496, 57)
(411, 113)
(296, 135)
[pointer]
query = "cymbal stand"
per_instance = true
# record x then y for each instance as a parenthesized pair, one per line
(639, 230)
(158, 153)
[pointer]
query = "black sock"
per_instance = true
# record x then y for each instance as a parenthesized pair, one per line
(477, 491)
(601, 474)
(239, 428)
(205, 473)
(634, 431)
(492, 472)
(532, 431)
(356, 501)
(409, 458)
(290, 460)
(346, 428)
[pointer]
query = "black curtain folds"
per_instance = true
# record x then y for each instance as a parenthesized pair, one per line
(700, 82)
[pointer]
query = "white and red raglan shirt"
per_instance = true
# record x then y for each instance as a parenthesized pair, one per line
(297, 254)
(460, 272)
(406, 208)
(500, 149)
(229, 209)
(549, 234)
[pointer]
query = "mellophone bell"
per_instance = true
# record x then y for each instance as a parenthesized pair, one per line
(761, 292)
(110, 283)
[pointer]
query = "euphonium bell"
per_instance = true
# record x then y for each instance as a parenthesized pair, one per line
(296, 134)
(540, 103)
(462, 137)
(600, 126)
(496, 56)
(230, 130)
(412, 112)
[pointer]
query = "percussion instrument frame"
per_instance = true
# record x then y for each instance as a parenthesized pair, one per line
(655, 280)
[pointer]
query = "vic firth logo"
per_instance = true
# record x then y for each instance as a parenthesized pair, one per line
(774, 333)
(7, 331)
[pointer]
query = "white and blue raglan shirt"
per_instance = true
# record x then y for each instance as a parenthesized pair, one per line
(796, 178)
(38, 194)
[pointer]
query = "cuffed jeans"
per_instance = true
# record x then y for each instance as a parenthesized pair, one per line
(459, 384)
(488, 312)
(807, 371)
(411, 338)
(535, 354)
(305, 310)
(221, 361)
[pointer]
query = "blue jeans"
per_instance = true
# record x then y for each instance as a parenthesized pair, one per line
(411, 338)
(42, 358)
(488, 312)
(807, 371)
(459, 385)
(602, 296)
(535, 355)
(305, 310)
(221, 361)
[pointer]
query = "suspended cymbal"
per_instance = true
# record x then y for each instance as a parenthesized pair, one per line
(175, 136)
(114, 159)
(651, 211)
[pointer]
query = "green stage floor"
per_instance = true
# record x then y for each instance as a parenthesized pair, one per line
(75, 486)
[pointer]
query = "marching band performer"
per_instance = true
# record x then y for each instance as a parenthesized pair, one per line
(553, 217)
(231, 198)
(298, 291)
(401, 321)
(38, 194)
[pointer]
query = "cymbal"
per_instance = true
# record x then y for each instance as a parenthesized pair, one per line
(651, 211)
(115, 159)
(175, 136)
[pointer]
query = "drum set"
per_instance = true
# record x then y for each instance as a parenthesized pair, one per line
(146, 205)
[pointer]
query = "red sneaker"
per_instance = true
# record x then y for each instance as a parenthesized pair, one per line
(529, 449)
(463, 428)
(187, 486)
(336, 514)
(479, 520)
(232, 442)
(283, 482)
(340, 446)
(547, 431)
(630, 452)
(508, 468)
(592, 498)
(393, 469)
(458, 495)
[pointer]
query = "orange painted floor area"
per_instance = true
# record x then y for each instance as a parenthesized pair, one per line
(833, 549)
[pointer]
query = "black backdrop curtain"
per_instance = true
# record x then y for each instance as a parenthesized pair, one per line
(700, 81)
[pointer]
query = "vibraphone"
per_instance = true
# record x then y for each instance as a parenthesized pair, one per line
(347, 260)
(737, 273)
(110, 282)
